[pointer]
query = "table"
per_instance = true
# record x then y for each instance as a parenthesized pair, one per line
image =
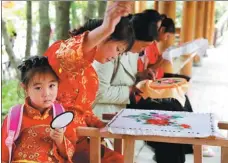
(129, 143)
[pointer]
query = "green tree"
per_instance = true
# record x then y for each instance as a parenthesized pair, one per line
(62, 25)
(29, 28)
(74, 19)
(8, 47)
(45, 29)
(101, 8)
(91, 10)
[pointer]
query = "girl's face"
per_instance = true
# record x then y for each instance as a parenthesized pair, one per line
(109, 50)
(164, 36)
(42, 90)
(140, 46)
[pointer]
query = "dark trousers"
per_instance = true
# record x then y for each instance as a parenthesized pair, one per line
(166, 152)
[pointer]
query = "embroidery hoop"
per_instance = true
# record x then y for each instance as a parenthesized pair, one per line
(159, 89)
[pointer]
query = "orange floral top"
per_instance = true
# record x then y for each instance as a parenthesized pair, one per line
(151, 56)
(34, 143)
(78, 79)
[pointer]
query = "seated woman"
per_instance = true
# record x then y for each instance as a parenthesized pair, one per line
(152, 58)
(118, 78)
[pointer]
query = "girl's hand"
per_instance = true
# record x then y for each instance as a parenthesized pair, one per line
(57, 135)
(114, 12)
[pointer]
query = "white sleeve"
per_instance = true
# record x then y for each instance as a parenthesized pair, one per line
(108, 94)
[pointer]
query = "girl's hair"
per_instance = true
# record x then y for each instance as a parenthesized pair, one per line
(145, 25)
(168, 23)
(33, 65)
(123, 31)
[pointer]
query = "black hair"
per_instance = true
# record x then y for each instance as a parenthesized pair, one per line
(154, 14)
(145, 25)
(123, 30)
(33, 65)
(168, 24)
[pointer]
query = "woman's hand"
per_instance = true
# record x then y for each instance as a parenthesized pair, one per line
(149, 74)
(134, 90)
(113, 14)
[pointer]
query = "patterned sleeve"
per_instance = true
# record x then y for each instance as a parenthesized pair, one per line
(92, 120)
(69, 147)
(67, 55)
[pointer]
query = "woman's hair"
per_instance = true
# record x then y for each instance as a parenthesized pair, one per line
(145, 25)
(123, 31)
(32, 66)
(168, 24)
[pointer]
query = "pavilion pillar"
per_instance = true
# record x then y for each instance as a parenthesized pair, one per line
(168, 8)
(156, 4)
(212, 23)
(187, 32)
(199, 25)
(140, 6)
(207, 20)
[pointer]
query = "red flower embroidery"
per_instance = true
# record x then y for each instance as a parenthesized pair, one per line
(185, 126)
(159, 122)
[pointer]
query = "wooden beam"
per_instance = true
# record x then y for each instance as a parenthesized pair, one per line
(223, 125)
(188, 32)
(168, 8)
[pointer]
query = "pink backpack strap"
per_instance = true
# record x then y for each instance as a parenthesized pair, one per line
(14, 121)
(58, 109)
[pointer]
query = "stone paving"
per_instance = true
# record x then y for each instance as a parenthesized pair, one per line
(208, 93)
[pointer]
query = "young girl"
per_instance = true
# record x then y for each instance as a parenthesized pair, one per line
(71, 59)
(37, 142)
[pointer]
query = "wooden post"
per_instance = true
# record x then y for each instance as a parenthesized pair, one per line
(140, 6)
(95, 154)
(212, 22)
(199, 24)
(168, 8)
(224, 154)
(187, 32)
(197, 153)
(118, 145)
(129, 148)
(156, 4)
(207, 18)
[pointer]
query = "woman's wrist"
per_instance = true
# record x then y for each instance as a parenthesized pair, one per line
(106, 30)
